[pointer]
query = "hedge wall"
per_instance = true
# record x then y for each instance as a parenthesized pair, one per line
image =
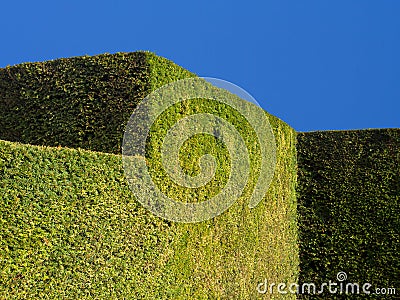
(349, 207)
(79, 102)
(71, 227)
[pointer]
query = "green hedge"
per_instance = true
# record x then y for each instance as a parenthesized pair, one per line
(80, 102)
(71, 227)
(349, 206)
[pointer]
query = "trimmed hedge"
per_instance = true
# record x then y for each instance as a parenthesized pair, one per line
(349, 207)
(80, 102)
(72, 228)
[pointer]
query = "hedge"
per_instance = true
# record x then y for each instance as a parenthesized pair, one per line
(80, 102)
(71, 227)
(349, 207)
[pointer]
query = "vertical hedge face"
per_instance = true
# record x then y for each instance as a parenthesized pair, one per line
(83, 234)
(77, 102)
(349, 206)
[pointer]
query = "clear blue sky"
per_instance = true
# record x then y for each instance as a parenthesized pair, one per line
(315, 64)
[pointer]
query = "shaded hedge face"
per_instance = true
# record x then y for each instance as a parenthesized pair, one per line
(77, 102)
(80, 102)
(349, 206)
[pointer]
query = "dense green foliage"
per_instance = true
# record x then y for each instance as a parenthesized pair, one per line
(70, 225)
(71, 228)
(80, 102)
(349, 206)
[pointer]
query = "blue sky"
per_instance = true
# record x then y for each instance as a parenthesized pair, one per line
(317, 65)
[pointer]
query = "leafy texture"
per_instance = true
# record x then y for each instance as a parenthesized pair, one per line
(80, 102)
(71, 228)
(349, 207)
(70, 225)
